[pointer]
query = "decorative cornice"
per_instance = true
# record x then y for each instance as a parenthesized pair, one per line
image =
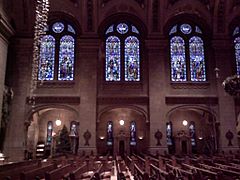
(123, 100)
(54, 99)
(191, 100)
(200, 85)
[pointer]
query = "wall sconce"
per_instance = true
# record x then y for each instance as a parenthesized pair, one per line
(58, 122)
(200, 137)
(185, 123)
(121, 122)
(102, 137)
(140, 137)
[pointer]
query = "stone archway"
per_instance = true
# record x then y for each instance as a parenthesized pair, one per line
(121, 133)
(204, 139)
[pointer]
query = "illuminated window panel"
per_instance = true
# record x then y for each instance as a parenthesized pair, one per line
(49, 132)
(47, 58)
(192, 133)
(66, 58)
(132, 59)
(178, 61)
(110, 133)
(197, 60)
(58, 27)
(112, 71)
(169, 134)
(133, 134)
(237, 54)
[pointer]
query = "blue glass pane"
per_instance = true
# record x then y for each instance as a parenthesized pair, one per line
(58, 27)
(197, 61)
(133, 134)
(49, 132)
(236, 31)
(66, 58)
(135, 30)
(132, 59)
(178, 61)
(122, 28)
(109, 133)
(70, 29)
(112, 72)
(186, 28)
(173, 30)
(192, 133)
(169, 134)
(110, 29)
(47, 58)
(198, 30)
(237, 54)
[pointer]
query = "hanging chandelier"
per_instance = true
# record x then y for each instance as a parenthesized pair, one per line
(232, 85)
(42, 8)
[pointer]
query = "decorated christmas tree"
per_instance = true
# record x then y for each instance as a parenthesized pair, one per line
(63, 144)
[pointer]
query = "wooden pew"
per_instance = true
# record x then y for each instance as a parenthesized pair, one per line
(77, 172)
(139, 174)
(38, 172)
(6, 167)
(14, 173)
(203, 172)
(59, 173)
(179, 172)
(157, 173)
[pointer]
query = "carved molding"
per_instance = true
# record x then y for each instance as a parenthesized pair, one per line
(53, 99)
(190, 85)
(123, 100)
(6, 30)
(191, 100)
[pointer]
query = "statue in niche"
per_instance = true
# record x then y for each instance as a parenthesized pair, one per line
(87, 136)
(229, 136)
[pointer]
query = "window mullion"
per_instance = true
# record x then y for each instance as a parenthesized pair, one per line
(56, 66)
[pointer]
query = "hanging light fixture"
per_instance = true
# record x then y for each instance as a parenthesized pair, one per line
(42, 8)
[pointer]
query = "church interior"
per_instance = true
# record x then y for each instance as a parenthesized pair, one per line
(106, 89)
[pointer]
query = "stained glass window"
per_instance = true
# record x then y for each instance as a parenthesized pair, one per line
(178, 61)
(187, 53)
(197, 62)
(58, 27)
(237, 54)
(60, 35)
(133, 133)
(132, 64)
(186, 28)
(192, 133)
(169, 134)
(110, 133)
(73, 129)
(135, 30)
(66, 58)
(122, 28)
(110, 29)
(49, 132)
(47, 58)
(112, 59)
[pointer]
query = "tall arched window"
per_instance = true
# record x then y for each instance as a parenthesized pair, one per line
(122, 61)
(73, 128)
(57, 53)
(133, 133)
(236, 36)
(169, 134)
(192, 133)
(49, 132)
(109, 133)
(187, 53)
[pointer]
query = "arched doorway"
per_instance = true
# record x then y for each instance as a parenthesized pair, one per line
(45, 129)
(191, 130)
(129, 133)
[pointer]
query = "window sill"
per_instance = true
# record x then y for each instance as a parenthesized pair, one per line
(55, 84)
(190, 85)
